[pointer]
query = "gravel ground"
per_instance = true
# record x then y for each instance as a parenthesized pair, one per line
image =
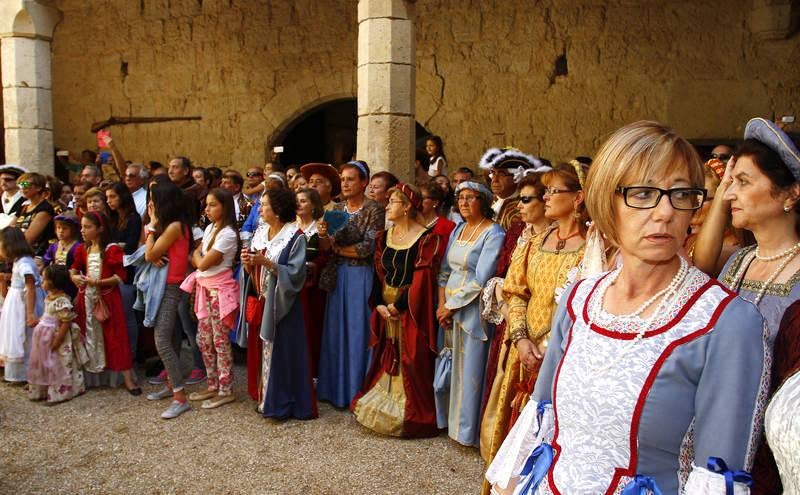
(106, 441)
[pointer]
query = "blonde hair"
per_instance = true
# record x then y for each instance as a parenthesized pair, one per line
(635, 154)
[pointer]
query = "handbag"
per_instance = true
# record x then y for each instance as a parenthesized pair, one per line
(100, 309)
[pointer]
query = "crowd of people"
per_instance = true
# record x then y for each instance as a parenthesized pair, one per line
(625, 323)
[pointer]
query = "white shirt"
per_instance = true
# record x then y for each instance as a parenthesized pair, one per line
(498, 203)
(236, 208)
(140, 200)
(226, 242)
(8, 202)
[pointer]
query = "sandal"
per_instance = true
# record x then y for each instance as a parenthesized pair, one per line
(206, 394)
(217, 401)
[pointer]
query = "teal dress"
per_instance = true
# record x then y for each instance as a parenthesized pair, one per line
(466, 269)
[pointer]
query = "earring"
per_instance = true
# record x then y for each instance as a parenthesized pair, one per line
(787, 208)
(576, 213)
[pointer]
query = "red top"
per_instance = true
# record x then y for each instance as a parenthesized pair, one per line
(178, 254)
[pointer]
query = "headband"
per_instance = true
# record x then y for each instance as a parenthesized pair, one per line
(414, 198)
(578, 166)
(276, 177)
(359, 165)
(474, 186)
(98, 216)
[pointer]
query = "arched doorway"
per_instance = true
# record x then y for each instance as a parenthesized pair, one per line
(326, 133)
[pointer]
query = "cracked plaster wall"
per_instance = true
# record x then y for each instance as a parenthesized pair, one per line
(486, 71)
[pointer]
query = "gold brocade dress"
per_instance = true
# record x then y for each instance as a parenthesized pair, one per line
(530, 292)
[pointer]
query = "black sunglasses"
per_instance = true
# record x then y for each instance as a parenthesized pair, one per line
(724, 157)
(527, 199)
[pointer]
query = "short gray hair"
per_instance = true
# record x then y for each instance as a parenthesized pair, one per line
(142, 170)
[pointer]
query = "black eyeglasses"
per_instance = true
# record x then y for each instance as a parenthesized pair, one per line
(644, 198)
(527, 199)
(723, 157)
(254, 174)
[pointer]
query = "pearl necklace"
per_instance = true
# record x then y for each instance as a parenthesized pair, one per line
(664, 308)
(472, 236)
(792, 250)
(739, 278)
(772, 277)
(673, 284)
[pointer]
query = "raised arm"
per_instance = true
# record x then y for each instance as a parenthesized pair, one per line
(708, 247)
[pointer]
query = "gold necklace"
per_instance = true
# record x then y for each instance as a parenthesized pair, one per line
(472, 236)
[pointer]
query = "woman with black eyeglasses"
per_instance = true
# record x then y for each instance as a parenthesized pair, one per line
(652, 379)
(539, 267)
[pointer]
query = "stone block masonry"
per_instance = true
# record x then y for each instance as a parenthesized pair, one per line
(551, 77)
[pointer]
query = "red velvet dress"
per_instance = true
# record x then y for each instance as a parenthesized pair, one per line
(785, 362)
(509, 245)
(115, 329)
(414, 361)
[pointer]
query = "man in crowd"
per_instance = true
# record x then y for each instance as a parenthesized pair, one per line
(135, 177)
(180, 173)
(501, 166)
(253, 187)
(462, 174)
(91, 176)
(12, 196)
(233, 182)
(323, 178)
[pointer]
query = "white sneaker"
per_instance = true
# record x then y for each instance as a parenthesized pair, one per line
(175, 409)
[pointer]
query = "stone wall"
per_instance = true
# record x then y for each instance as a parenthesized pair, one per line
(488, 72)
(246, 67)
(550, 77)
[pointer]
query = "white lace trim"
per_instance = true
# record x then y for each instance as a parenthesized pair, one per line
(595, 415)
(277, 244)
(525, 435)
(704, 482)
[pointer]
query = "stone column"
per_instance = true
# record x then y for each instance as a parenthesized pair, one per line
(386, 85)
(26, 29)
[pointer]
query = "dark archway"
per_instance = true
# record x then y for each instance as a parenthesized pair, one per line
(325, 133)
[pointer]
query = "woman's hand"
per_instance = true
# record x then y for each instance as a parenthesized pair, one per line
(384, 312)
(445, 316)
(31, 321)
(727, 177)
(151, 214)
(79, 280)
(247, 257)
(529, 354)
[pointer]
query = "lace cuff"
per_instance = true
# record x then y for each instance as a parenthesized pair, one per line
(491, 306)
(717, 479)
(536, 425)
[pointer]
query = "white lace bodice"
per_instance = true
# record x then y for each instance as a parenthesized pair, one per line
(782, 425)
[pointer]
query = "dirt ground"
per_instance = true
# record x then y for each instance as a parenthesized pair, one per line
(107, 442)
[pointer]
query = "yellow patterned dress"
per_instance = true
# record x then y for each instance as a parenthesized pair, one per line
(530, 292)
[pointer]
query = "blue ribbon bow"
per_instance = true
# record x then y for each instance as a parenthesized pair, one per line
(536, 467)
(540, 413)
(717, 465)
(640, 485)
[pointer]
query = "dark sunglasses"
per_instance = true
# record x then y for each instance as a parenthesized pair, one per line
(723, 157)
(254, 174)
(527, 199)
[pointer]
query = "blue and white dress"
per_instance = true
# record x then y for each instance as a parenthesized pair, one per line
(466, 268)
(15, 336)
(610, 411)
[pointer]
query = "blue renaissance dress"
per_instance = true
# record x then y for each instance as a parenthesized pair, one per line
(467, 267)
(345, 352)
